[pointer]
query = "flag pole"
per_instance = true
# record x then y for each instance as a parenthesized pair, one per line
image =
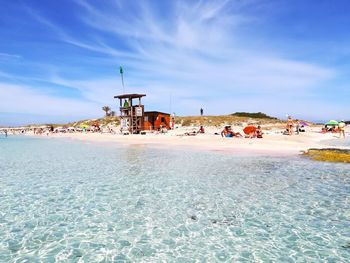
(170, 103)
(121, 73)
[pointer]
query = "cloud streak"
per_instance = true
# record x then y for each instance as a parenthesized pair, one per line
(197, 52)
(24, 99)
(5, 57)
(201, 40)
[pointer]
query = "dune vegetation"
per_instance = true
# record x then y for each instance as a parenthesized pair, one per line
(239, 119)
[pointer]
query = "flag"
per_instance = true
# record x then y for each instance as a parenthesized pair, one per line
(121, 74)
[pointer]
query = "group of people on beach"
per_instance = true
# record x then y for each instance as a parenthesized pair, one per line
(340, 128)
(250, 131)
(229, 133)
(336, 128)
(5, 132)
(12, 131)
(294, 126)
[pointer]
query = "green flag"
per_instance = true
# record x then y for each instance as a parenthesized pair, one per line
(121, 74)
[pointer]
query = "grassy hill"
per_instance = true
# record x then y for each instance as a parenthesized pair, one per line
(218, 120)
(101, 121)
(255, 115)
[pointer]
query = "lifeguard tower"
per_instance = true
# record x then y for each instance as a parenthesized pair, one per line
(131, 113)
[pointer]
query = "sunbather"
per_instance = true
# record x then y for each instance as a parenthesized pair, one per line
(201, 129)
(258, 132)
(193, 133)
(227, 132)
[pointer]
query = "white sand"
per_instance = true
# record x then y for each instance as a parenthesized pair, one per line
(273, 143)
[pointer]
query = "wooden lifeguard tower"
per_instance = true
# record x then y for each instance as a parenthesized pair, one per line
(131, 114)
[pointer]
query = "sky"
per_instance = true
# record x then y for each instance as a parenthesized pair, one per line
(59, 60)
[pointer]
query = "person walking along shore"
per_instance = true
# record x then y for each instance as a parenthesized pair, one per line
(341, 127)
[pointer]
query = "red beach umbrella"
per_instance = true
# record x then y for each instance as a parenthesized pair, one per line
(249, 129)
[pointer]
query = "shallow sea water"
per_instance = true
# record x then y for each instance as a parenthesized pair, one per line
(338, 142)
(75, 202)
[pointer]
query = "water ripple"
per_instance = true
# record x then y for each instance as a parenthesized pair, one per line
(72, 202)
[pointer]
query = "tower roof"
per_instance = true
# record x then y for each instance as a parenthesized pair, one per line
(130, 96)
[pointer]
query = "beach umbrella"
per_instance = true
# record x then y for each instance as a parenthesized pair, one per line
(303, 123)
(331, 122)
(249, 129)
(84, 126)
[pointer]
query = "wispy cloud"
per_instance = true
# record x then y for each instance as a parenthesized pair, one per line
(5, 57)
(197, 52)
(92, 45)
(5, 75)
(25, 99)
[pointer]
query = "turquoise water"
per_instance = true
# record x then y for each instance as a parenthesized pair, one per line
(339, 142)
(76, 202)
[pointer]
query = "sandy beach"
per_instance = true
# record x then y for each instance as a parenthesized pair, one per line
(273, 143)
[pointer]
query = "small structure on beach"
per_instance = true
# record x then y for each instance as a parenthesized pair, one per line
(131, 113)
(134, 119)
(155, 120)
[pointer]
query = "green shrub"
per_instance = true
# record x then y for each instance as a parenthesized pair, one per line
(186, 122)
(257, 115)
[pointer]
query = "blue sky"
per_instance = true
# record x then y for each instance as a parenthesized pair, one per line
(59, 60)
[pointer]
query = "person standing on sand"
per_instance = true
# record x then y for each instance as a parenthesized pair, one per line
(201, 111)
(341, 127)
(297, 126)
(290, 125)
